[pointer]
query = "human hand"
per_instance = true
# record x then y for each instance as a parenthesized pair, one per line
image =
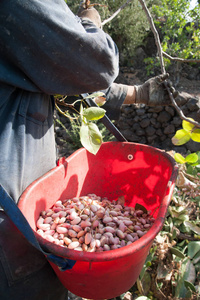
(90, 13)
(154, 93)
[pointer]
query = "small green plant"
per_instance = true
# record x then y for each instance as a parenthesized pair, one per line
(144, 280)
(189, 131)
(191, 162)
(172, 267)
(84, 122)
(187, 254)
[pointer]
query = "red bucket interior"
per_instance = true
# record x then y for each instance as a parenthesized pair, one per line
(141, 174)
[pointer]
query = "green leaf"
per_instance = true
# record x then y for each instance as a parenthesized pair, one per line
(164, 271)
(90, 137)
(191, 158)
(98, 94)
(179, 158)
(190, 170)
(187, 126)
(81, 109)
(189, 286)
(193, 248)
(174, 234)
(188, 294)
(146, 283)
(100, 100)
(196, 258)
(178, 213)
(183, 217)
(184, 229)
(181, 137)
(195, 135)
(147, 263)
(177, 252)
(197, 267)
(93, 113)
(192, 226)
(186, 273)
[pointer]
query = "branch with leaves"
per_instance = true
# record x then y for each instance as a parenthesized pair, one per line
(160, 53)
(90, 136)
(180, 59)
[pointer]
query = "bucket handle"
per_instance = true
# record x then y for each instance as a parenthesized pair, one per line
(14, 213)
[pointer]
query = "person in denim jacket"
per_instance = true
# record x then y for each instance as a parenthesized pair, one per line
(45, 50)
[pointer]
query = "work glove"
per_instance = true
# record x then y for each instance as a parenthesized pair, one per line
(90, 13)
(154, 93)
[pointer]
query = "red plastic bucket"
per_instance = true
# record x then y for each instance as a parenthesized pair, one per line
(141, 174)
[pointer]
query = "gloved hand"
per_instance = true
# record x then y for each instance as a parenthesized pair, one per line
(90, 13)
(153, 91)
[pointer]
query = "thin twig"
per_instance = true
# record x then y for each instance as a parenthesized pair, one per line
(180, 59)
(64, 113)
(64, 104)
(156, 35)
(116, 13)
(183, 236)
(179, 111)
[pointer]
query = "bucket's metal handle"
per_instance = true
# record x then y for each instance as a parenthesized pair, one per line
(14, 213)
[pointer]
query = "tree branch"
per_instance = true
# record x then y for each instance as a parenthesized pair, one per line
(152, 27)
(116, 13)
(180, 59)
(160, 52)
(156, 35)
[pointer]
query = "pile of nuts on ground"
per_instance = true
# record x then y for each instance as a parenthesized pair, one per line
(94, 224)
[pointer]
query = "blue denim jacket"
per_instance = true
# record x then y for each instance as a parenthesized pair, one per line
(45, 49)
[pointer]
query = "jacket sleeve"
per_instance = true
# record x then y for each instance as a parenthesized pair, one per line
(115, 96)
(45, 47)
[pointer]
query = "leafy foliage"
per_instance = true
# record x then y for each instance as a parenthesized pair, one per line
(179, 28)
(191, 158)
(73, 131)
(172, 268)
(128, 29)
(90, 136)
(188, 132)
(175, 256)
(179, 31)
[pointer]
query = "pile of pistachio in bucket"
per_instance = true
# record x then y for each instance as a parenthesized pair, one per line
(93, 224)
